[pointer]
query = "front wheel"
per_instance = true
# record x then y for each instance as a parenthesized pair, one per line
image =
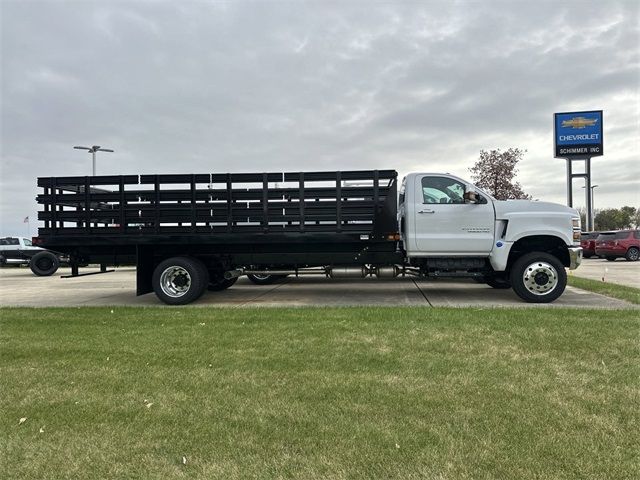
(538, 277)
(180, 280)
(632, 254)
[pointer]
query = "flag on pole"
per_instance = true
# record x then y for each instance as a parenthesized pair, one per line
(26, 220)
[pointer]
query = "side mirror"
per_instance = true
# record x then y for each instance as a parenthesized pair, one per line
(470, 197)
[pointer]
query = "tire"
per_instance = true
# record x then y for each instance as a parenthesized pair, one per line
(180, 280)
(216, 286)
(3, 261)
(44, 264)
(498, 283)
(611, 259)
(538, 277)
(633, 254)
(259, 279)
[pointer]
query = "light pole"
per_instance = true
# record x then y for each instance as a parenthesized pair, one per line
(92, 150)
(592, 214)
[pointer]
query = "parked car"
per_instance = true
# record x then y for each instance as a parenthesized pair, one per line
(588, 243)
(21, 251)
(625, 243)
(16, 251)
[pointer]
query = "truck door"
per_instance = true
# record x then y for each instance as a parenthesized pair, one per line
(445, 224)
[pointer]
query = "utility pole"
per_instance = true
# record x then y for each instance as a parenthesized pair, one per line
(92, 150)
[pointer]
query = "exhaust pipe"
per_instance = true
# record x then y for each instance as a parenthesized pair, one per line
(348, 272)
(232, 274)
(296, 272)
(333, 272)
(387, 272)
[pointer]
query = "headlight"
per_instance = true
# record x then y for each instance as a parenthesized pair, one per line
(575, 224)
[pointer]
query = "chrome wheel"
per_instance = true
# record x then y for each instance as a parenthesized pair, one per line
(540, 278)
(175, 281)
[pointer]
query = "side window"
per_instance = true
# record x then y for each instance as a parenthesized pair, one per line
(636, 234)
(27, 242)
(442, 190)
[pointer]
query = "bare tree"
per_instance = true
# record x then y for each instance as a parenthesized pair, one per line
(495, 172)
(583, 216)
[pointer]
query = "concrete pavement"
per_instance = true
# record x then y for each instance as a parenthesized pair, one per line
(19, 287)
(620, 271)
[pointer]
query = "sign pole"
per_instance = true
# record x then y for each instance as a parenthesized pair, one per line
(587, 166)
(569, 184)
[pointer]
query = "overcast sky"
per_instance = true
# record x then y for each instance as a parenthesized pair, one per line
(198, 87)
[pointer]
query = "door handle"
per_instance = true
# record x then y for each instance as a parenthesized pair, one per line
(426, 211)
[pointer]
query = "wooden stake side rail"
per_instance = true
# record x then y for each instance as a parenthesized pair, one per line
(347, 201)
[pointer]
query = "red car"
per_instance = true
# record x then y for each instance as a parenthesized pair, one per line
(625, 243)
(588, 243)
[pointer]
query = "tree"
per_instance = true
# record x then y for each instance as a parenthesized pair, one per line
(629, 216)
(495, 172)
(616, 218)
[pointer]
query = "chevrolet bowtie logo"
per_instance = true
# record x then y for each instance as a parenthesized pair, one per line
(579, 122)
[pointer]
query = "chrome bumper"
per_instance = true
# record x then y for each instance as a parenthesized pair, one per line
(575, 257)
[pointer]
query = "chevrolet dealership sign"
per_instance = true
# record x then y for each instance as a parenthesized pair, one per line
(578, 134)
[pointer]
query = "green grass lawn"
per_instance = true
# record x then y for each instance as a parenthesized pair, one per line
(315, 393)
(621, 292)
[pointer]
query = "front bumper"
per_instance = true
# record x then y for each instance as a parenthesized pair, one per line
(575, 257)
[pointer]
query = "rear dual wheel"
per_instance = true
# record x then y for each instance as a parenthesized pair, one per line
(216, 285)
(264, 279)
(180, 280)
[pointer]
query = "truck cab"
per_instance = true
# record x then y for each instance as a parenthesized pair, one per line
(449, 225)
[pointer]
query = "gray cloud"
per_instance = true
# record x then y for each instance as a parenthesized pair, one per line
(203, 86)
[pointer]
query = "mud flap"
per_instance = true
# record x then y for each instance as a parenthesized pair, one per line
(144, 269)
